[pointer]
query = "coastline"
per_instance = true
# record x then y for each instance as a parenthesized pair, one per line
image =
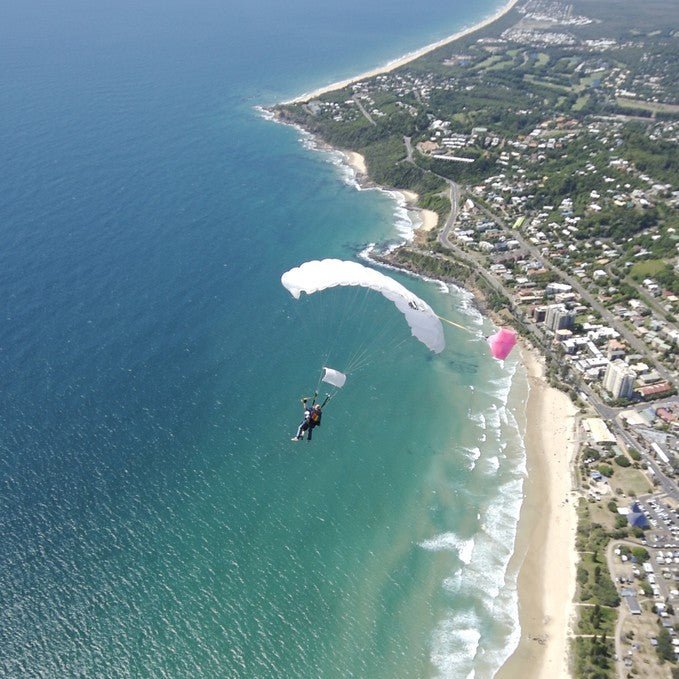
(428, 218)
(405, 59)
(544, 560)
(544, 553)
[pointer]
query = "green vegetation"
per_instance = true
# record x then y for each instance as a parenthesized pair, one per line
(640, 554)
(664, 649)
(596, 586)
(605, 470)
(658, 158)
(622, 461)
(632, 481)
(596, 620)
(435, 265)
(594, 657)
(544, 126)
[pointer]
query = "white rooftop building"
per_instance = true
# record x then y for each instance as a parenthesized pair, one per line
(619, 379)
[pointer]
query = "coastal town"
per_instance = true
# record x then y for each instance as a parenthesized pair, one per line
(544, 146)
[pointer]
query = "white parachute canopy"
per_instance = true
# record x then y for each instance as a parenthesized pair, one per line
(334, 377)
(318, 275)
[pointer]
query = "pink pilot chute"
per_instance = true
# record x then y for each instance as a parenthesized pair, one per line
(502, 342)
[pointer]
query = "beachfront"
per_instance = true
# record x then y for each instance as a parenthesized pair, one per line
(545, 546)
(405, 59)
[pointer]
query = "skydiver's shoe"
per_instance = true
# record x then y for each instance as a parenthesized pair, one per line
(294, 438)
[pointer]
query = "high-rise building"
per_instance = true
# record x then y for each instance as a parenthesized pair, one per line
(539, 313)
(619, 379)
(558, 317)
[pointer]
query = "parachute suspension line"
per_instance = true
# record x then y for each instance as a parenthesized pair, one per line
(360, 313)
(374, 342)
(378, 342)
(365, 352)
(361, 362)
(343, 315)
(318, 384)
(455, 325)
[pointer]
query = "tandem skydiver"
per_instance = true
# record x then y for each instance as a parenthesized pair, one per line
(312, 418)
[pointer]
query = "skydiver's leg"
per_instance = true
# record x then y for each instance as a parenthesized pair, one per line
(308, 436)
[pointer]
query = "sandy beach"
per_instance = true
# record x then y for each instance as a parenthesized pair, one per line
(545, 545)
(402, 61)
(429, 219)
(357, 162)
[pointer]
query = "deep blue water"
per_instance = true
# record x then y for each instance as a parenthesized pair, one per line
(155, 518)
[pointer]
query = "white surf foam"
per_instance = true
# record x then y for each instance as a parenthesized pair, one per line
(455, 643)
(449, 542)
(484, 583)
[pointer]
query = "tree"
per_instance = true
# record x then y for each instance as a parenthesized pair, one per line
(640, 554)
(620, 521)
(664, 649)
(596, 616)
(622, 461)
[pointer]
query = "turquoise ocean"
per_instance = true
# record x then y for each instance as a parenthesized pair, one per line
(155, 518)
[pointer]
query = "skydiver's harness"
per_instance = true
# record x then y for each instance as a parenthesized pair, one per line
(313, 415)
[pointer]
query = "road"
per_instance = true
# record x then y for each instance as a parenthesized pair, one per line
(622, 610)
(475, 261)
(361, 108)
(409, 150)
(635, 342)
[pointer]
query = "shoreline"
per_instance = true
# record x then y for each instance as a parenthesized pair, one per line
(405, 59)
(428, 218)
(544, 551)
(544, 560)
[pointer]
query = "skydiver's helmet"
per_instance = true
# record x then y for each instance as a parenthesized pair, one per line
(317, 407)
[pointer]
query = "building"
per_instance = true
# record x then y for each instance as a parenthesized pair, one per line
(539, 314)
(656, 390)
(554, 288)
(636, 517)
(632, 602)
(598, 431)
(615, 350)
(557, 317)
(619, 379)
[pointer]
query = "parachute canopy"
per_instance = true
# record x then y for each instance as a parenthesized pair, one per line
(318, 275)
(334, 377)
(502, 342)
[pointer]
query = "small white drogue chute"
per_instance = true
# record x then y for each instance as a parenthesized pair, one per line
(318, 275)
(334, 377)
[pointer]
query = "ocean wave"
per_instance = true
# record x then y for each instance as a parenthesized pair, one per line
(366, 253)
(405, 221)
(485, 586)
(472, 454)
(455, 643)
(491, 464)
(448, 542)
(264, 113)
